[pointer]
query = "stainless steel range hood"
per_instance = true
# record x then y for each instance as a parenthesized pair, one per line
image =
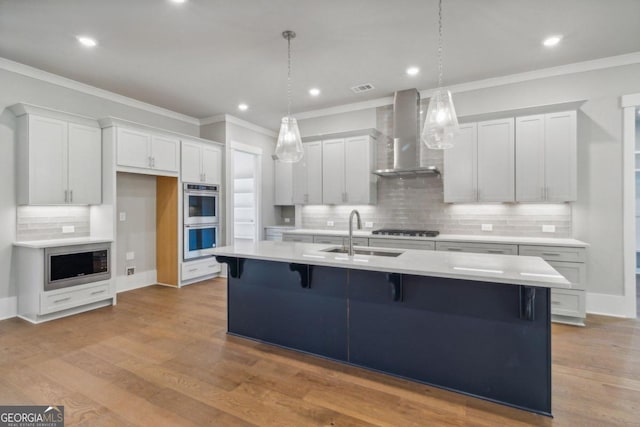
(406, 137)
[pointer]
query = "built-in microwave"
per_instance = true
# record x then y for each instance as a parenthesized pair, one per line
(201, 204)
(197, 238)
(76, 265)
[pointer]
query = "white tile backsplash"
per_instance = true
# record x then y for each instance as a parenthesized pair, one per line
(46, 222)
(418, 203)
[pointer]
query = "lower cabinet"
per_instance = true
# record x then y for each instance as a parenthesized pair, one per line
(402, 244)
(478, 248)
(273, 303)
(198, 269)
(304, 238)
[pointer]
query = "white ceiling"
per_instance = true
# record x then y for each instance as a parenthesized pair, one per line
(204, 57)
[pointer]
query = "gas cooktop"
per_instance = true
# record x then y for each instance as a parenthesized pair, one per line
(400, 232)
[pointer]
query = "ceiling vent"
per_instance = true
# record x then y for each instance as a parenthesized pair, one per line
(365, 87)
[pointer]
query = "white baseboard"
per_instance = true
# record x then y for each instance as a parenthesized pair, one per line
(609, 305)
(8, 307)
(135, 281)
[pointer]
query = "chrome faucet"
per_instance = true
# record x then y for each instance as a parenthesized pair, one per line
(357, 214)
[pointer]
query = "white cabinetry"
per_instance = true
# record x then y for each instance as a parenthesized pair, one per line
(201, 163)
(546, 168)
(143, 152)
(283, 185)
(346, 171)
(481, 165)
(59, 160)
(307, 175)
(496, 161)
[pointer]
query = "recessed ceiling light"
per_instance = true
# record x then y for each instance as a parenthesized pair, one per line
(314, 91)
(179, 1)
(86, 41)
(243, 107)
(412, 71)
(552, 41)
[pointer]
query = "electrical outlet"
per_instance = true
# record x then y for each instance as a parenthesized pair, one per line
(487, 227)
(68, 228)
(131, 256)
(368, 224)
(131, 271)
(330, 223)
(287, 220)
(123, 216)
(548, 228)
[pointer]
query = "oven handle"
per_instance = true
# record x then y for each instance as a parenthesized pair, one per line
(211, 225)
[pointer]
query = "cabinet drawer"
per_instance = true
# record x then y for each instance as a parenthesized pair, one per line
(478, 248)
(574, 272)
(191, 270)
(566, 302)
(554, 253)
(73, 297)
(402, 244)
(357, 241)
(328, 240)
(304, 238)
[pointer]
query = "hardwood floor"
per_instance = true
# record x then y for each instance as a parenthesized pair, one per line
(162, 357)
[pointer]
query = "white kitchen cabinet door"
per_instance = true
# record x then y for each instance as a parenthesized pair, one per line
(460, 166)
(165, 153)
(133, 148)
(191, 162)
(496, 161)
(360, 183)
(283, 183)
(530, 158)
(313, 153)
(47, 161)
(212, 164)
(560, 146)
(333, 171)
(85, 165)
(299, 172)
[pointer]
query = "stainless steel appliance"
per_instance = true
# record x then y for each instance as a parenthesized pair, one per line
(198, 237)
(67, 266)
(201, 204)
(408, 233)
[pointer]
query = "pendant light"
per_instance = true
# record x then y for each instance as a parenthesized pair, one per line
(441, 123)
(289, 146)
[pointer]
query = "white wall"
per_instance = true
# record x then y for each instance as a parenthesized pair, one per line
(353, 120)
(136, 197)
(18, 88)
(597, 216)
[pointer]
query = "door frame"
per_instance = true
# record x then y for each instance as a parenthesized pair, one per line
(630, 104)
(250, 149)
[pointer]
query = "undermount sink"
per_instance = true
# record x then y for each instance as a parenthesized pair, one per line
(365, 251)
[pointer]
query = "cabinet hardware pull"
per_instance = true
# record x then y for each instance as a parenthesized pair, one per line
(211, 265)
(70, 196)
(191, 270)
(97, 292)
(495, 252)
(454, 249)
(550, 254)
(66, 196)
(153, 162)
(150, 165)
(555, 302)
(62, 300)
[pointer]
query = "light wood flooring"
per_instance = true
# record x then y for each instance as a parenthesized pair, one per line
(161, 357)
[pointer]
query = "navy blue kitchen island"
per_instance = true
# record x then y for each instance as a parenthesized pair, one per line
(485, 339)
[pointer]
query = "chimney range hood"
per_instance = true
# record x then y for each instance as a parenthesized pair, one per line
(406, 137)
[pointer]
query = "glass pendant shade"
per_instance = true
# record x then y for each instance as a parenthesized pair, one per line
(441, 122)
(289, 146)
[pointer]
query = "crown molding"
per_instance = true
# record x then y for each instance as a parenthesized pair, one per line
(631, 100)
(45, 76)
(237, 121)
(111, 121)
(22, 108)
(577, 67)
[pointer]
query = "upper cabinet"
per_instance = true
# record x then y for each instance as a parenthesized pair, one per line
(307, 176)
(480, 166)
(346, 171)
(59, 158)
(144, 152)
(333, 171)
(529, 159)
(201, 163)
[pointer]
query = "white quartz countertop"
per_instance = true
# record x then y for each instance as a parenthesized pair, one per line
(515, 240)
(508, 269)
(41, 244)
